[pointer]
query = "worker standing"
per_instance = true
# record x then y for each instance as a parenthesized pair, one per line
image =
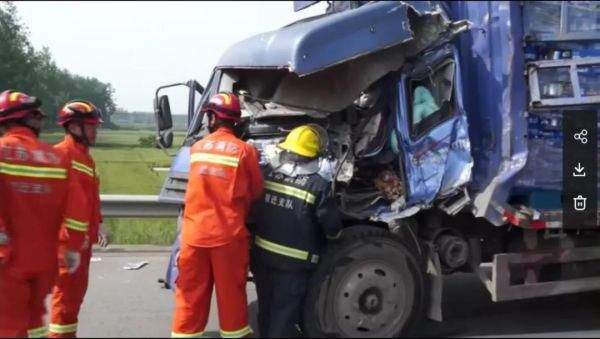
(293, 221)
(80, 119)
(38, 196)
(224, 179)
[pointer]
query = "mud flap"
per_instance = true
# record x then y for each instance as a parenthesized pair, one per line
(172, 269)
(436, 279)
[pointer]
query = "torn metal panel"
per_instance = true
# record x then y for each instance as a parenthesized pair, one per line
(324, 63)
(316, 43)
(272, 109)
(459, 162)
(334, 88)
(300, 5)
(387, 215)
(444, 166)
(492, 65)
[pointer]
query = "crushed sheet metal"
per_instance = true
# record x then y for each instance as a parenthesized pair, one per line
(329, 60)
(314, 44)
(496, 75)
(389, 217)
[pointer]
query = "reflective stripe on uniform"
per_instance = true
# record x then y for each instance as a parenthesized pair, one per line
(32, 171)
(290, 191)
(280, 249)
(236, 334)
(82, 168)
(76, 225)
(187, 335)
(216, 159)
(39, 332)
(62, 329)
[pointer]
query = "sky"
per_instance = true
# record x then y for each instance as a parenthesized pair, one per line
(139, 46)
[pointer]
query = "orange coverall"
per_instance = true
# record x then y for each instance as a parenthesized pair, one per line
(224, 179)
(70, 289)
(38, 196)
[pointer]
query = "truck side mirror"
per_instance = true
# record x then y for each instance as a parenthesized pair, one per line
(162, 110)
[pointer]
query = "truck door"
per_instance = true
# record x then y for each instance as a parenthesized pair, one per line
(432, 126)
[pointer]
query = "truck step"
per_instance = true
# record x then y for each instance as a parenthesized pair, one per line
(513, 276)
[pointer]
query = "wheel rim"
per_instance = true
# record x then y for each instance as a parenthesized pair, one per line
(372, 300)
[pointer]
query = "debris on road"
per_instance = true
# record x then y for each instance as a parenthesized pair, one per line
(95, 259)
(135, 265)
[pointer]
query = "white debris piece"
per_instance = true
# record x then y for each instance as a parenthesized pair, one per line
(135, 265)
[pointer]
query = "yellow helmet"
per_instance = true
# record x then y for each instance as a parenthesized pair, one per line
(303, 141)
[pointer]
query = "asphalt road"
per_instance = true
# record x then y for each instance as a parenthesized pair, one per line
(123, 303)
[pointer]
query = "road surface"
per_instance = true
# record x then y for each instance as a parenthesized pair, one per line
(123, 303)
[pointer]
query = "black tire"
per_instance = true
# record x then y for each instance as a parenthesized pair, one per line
(368, 274)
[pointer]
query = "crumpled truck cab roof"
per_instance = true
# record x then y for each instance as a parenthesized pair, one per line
(331, 58)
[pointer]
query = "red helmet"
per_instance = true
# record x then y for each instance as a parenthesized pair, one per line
(224, 105)
(80, 110)
(16, 105)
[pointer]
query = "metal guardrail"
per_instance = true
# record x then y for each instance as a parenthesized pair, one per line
(136, 206)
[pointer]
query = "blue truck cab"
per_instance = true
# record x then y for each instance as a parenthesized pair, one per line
(442, 124)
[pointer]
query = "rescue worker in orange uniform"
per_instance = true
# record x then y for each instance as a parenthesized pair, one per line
(80, 120)
(224, 179)
(38, 204)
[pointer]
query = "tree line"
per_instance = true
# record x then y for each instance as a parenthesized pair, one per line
(30, 70)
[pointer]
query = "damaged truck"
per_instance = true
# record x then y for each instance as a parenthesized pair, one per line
(442, 128)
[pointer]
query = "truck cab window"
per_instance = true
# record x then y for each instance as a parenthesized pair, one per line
(431, 98)
(424, 104)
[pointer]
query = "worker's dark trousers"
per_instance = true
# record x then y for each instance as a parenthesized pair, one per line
(280, 300)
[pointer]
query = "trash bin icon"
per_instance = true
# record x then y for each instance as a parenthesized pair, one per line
(579, 202)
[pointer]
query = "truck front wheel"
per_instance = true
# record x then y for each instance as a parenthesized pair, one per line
(367, 285)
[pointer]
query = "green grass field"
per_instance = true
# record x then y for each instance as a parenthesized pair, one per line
(125, 167)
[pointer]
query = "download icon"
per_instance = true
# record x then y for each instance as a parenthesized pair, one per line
(579, 171)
